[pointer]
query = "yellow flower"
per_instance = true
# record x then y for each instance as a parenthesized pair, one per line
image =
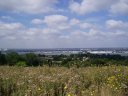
(119, 69)
(116, 88)
(91, 94)
(112, 78)
(39, 89)
(65, 87)
(69, 95)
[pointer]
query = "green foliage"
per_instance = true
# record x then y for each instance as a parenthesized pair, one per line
(31, 59)
(3, 60)
(21, 63)
(73, 60)
(98, 62)
(86, 64)
(12, 58)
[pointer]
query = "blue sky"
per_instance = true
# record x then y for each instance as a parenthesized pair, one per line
(63, 23)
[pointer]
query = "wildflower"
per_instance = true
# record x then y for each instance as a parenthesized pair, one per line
(39, 89)
(69, 95)
(119, 75)
(119, 69)
(112, 78)
(91, 94)
(116, 88)
(65, 87)
(113, 85)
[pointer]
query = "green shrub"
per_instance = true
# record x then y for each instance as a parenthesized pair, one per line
(21, 63)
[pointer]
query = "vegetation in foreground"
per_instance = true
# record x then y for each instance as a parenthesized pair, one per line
(62, 81)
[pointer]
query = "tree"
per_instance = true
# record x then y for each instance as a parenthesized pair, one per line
(12, 58)
(3, 60)
(98, 62)
(31, 59)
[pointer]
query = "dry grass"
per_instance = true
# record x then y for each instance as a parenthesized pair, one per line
(61, 81)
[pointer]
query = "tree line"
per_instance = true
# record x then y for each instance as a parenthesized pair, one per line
(77, 60)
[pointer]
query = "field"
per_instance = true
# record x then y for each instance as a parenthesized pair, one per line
(62, 81)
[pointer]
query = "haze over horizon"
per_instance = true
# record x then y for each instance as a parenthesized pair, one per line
(63, 23)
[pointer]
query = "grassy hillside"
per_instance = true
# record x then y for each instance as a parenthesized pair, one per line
(61, 81)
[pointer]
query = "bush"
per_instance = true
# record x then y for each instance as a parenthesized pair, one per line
(12, 58)
(21, 63)
(32, 59)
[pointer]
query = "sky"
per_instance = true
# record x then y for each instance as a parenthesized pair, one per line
(63, 23)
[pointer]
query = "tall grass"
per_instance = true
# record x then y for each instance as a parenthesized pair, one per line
(61, 81)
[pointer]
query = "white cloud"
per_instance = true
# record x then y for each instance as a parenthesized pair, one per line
(10, 30)
(74, 21)
(56, 21)
(54, 37)
(92, 34)
(117, 24)
(88, 6)
(81, 24)
(95, 38)
(63, 29)
(118, 7)
(10, 26)
(86, 25)
(121, 7)
(61, 22)
(37, 21)
(33, 6)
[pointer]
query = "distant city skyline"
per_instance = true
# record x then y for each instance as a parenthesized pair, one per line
(63, 23)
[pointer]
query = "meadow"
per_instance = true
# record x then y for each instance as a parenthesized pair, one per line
(62, 81)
